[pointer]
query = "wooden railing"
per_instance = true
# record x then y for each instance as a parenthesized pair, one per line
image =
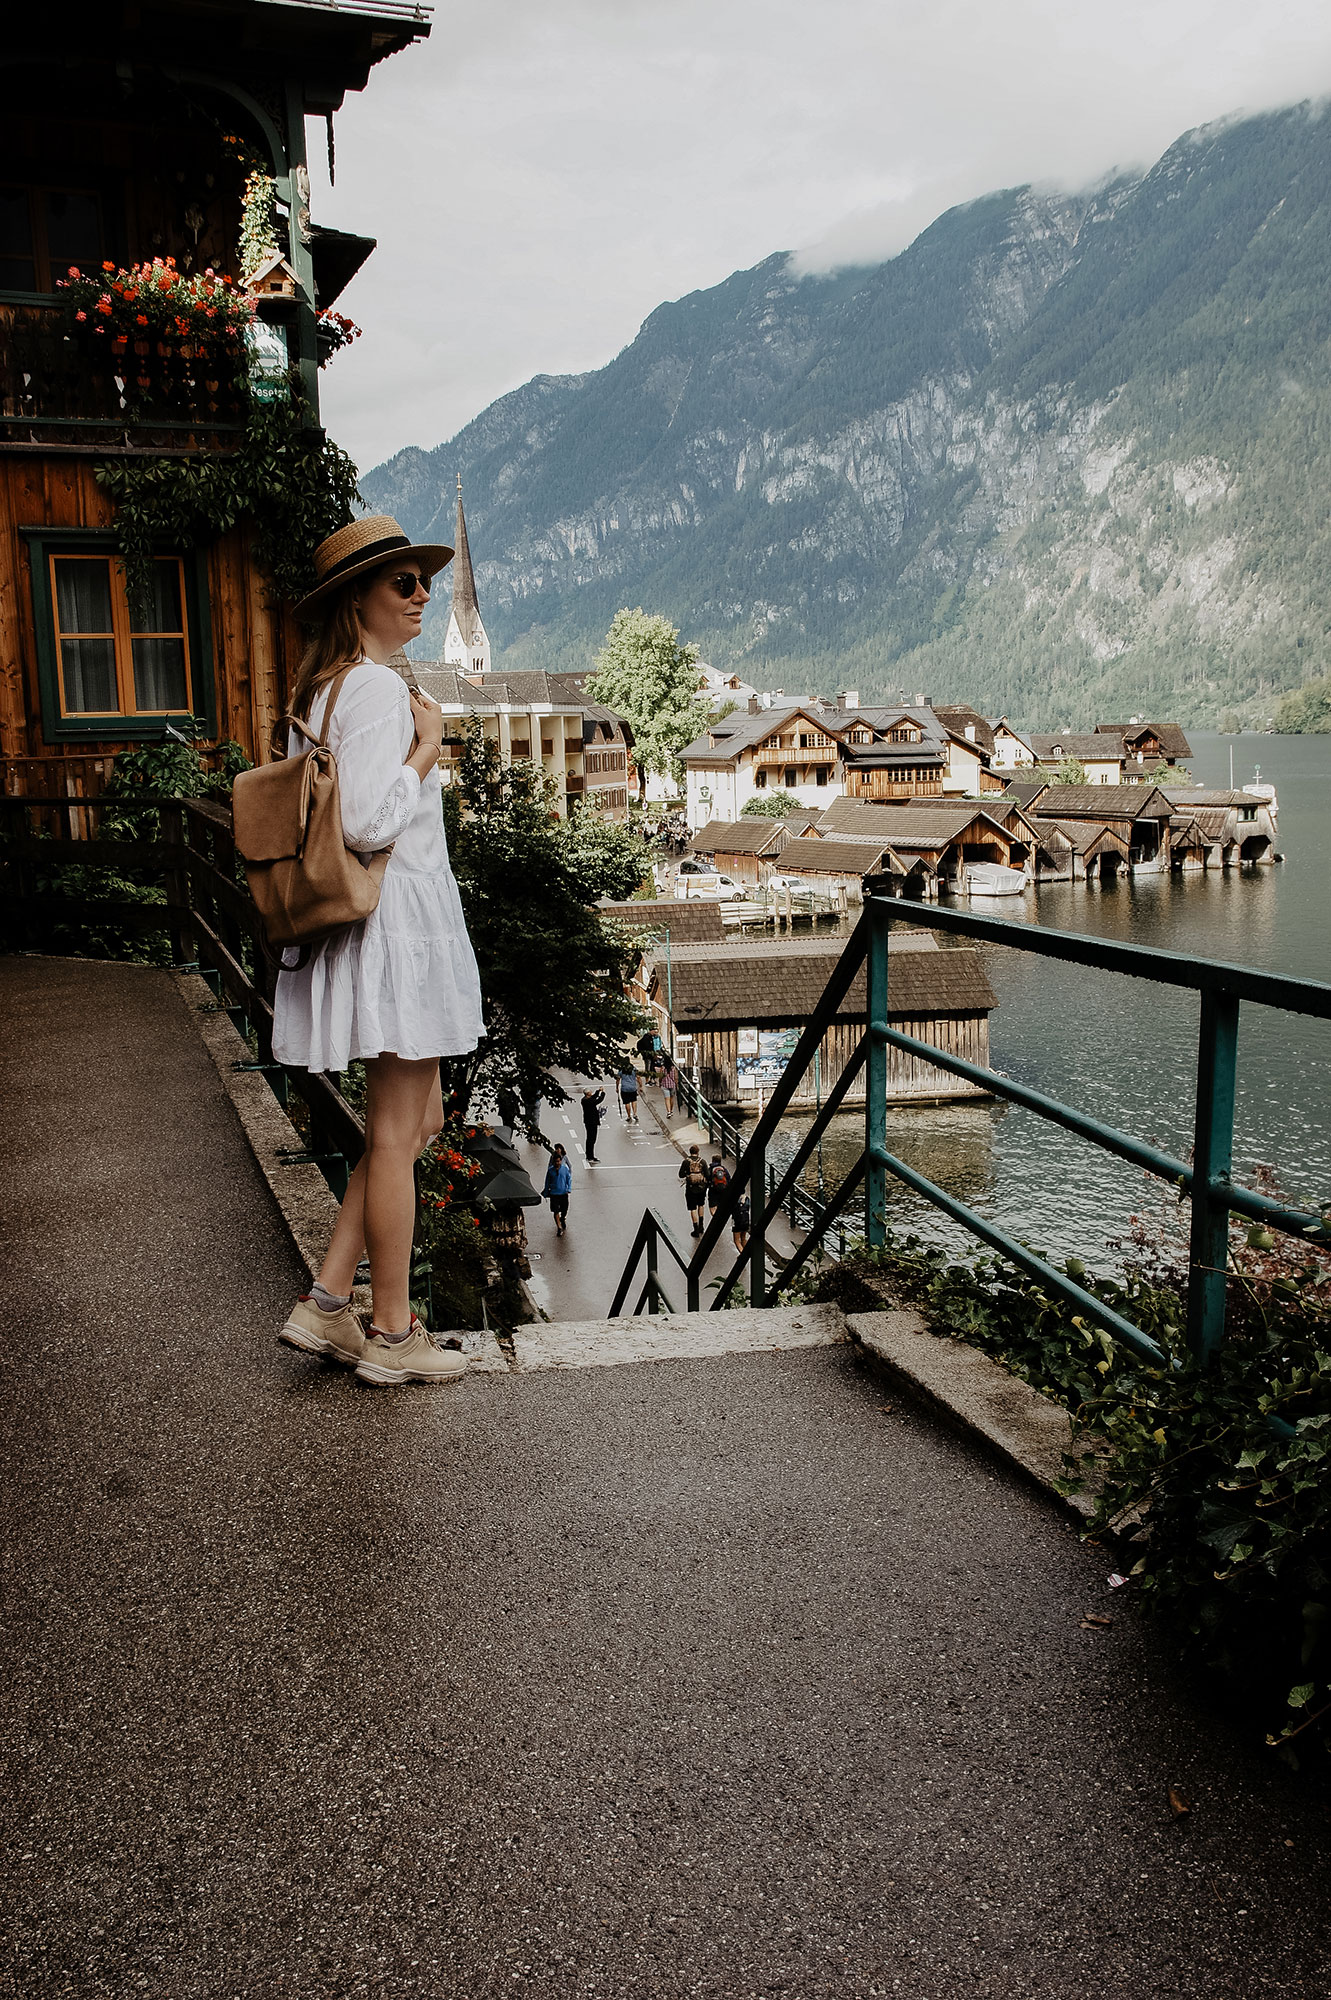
(54, 391)
(181, 852)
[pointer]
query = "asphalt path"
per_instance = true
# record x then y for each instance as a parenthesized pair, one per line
(724, 1678)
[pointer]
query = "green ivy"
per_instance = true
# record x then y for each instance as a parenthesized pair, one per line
(286, 478)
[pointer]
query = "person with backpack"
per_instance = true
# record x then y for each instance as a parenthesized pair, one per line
(593, 1111)
(693, 1173)
(558, 1183)
(741, 1221)
(628, 1093)
(399, 989)
(718, 1180)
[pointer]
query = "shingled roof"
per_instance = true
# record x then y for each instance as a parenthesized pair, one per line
(837, 857)
(1172, 740)
(753, 835)
(697, 921)
(1102, 802)
(919, 823)
(769, 984)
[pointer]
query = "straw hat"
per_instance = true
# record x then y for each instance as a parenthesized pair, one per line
(363, 545)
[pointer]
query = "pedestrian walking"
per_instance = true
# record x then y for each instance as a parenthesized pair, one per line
(693, 1173)
(400, 989)
(647, 1046)
(740, 1222)
(593, 1111)
(558, 1181)
(669, 1085)
(628, 1093)
(718, 1181)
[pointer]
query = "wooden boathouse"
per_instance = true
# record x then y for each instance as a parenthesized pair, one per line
(731, 1000)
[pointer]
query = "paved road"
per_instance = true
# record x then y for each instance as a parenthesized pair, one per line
(575, 1276)
(699, 1678)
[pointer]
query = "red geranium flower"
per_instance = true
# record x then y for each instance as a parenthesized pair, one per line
(80, 315)
(140, 319)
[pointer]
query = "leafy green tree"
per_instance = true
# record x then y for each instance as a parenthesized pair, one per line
(608, 858)
(1070, 772)
(771, 805)
(1306, 711)
(645, 675)
(552, 967)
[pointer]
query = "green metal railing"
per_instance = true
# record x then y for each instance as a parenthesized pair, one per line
(1207, 1181)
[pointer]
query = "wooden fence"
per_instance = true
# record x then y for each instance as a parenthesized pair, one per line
(184, 850)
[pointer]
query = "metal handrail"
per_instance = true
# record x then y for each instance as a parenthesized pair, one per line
(1207, 1180)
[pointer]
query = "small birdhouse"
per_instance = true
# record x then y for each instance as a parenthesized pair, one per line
(273, 287)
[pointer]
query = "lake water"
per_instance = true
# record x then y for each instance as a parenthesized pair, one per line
(1125, 1050)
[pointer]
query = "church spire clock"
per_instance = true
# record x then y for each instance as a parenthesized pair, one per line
(467, 644)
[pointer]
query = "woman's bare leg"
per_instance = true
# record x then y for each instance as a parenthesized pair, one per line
(403, 1110)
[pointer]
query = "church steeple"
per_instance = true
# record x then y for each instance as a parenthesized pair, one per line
(467, 645)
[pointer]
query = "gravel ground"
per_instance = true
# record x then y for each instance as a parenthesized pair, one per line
(693, 1678)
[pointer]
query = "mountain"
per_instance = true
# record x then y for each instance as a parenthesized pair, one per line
(1065, 456)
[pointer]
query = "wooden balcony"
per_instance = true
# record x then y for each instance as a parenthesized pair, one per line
(55, 394)
(824, 753)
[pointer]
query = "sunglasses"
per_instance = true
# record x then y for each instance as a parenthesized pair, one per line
(406, 585)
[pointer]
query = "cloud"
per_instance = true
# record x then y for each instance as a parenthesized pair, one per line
(539, 182)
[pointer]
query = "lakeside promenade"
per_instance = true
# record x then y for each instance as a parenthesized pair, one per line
(699, 1677)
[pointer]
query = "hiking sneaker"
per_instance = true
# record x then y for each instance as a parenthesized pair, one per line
(314, 1331)
(419, 1358)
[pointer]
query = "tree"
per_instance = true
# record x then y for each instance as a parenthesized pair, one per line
(771, 805)
(552, 967)
(1070, 772)
(645, 675)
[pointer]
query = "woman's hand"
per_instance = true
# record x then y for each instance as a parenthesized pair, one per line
(429, 720)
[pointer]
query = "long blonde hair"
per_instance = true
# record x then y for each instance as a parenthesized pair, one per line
(338, 642)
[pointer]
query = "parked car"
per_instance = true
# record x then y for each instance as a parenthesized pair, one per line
(695, 881)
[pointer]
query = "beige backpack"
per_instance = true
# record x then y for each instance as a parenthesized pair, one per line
(307, 884)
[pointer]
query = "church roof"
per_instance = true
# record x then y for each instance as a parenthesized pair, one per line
(465, 607)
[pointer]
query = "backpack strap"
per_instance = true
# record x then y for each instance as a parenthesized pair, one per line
(293, 721)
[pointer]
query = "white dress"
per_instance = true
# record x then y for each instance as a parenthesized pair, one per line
(405, 981)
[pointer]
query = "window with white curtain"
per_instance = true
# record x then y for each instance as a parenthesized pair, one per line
(117, 656)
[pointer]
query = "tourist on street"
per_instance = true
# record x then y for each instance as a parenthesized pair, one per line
(718, 1181)
(593, 1110)
(693, 1173)
(628, 1093)
(740, 1220)
(399, 990)
(558, 1181)
(647, 1050)
(669, 1085)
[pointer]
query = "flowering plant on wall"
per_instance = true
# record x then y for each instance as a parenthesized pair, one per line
(169, 338)
(335, 331)
(156, 302)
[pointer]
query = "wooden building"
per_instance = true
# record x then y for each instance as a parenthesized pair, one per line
(1139, 814)
(934, 839)
(131, 134)
(728, 998)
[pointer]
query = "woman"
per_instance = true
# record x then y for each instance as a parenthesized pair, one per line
(669, 1085)
(740, 1221)
(627, 1087)
(558, 1181)
(401, 989)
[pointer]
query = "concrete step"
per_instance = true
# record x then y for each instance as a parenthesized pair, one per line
(610, 1343)
(973, 1391)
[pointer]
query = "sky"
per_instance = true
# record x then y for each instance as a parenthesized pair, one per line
(540, 179)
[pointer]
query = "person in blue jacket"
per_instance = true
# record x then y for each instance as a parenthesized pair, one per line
(558, 1181)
